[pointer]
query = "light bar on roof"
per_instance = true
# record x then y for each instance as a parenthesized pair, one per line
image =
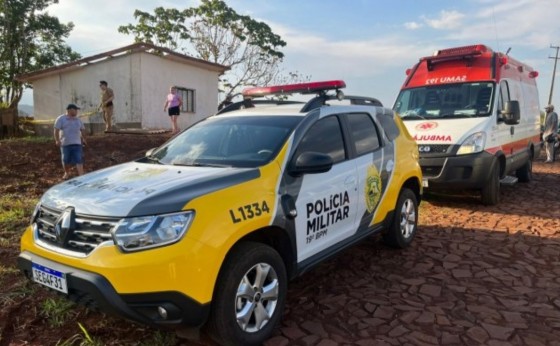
(465, 50)
(300, 88)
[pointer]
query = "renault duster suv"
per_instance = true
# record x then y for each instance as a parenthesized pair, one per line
(208, 228)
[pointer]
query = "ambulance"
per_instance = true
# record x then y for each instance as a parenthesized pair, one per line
(475, 116)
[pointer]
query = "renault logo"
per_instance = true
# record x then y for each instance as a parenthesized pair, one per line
(65, 223)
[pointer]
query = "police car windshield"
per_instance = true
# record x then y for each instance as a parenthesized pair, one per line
(463, 100)
(245, 141)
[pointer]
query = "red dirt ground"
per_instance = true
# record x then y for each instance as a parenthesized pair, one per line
(474, 275)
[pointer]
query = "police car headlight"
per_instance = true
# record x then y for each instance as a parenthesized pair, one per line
(146, 232)
(473, 144)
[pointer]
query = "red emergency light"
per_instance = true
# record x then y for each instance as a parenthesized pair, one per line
(533, 74)
(476, 49)
(300, 88)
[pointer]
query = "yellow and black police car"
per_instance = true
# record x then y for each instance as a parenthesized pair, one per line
(208, 228)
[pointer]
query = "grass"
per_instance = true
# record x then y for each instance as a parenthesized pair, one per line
(20, 289)
(160, 338)
(58, 311)
(14, 212)
(30, 139)
(82, 340)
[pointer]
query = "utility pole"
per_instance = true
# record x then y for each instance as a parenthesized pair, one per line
(553, 72)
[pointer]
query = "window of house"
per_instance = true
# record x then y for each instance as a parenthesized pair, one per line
(189, 99)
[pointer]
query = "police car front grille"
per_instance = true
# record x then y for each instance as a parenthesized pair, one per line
(88, 233)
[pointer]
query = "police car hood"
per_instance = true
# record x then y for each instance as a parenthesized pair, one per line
(446, 131)
(135, 189)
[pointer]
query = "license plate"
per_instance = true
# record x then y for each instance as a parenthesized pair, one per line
(424, 182)
(50, 278)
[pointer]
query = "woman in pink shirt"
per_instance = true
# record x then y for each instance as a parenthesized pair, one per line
(173, 105)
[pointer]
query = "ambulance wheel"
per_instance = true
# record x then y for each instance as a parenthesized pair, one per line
(249, 296)
(490, 193)
(525, 173)
(405, 221)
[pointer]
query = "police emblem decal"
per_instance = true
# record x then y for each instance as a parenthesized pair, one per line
(373, 188)
(64, 224)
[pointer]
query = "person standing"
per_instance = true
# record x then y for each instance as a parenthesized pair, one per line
(107, 96)
(550, 132)
(69, 135)
(173, 105)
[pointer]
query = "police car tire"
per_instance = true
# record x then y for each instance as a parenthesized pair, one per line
(525, 173)
(490, 193)
(407, 206)
(222, 325)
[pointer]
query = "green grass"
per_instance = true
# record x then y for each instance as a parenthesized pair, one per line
(160, 338)
(22, 288)
(5, 270)
(81, 340)
(30, 139)
(15, 211)
(58, 311)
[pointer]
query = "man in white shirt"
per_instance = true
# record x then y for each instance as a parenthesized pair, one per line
(69, 135)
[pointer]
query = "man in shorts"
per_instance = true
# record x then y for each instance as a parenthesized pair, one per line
(69, 135)
(107, 96)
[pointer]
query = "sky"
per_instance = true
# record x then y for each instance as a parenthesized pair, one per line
(367, 43)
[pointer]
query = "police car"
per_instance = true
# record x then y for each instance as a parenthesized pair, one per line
(208, 228)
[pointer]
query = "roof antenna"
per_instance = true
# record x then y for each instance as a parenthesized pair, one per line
(509, 50)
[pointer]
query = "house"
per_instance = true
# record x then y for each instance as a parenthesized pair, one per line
(140, 75)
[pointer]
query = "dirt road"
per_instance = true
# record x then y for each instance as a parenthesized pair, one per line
(474, 275)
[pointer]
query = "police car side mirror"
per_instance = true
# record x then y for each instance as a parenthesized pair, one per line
(511, 113)
(310, 162)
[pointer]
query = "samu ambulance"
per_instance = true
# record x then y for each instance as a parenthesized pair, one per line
(475, 116)
(209, 227)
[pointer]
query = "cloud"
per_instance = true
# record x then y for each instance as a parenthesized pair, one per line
(412, 25)
(446, 20)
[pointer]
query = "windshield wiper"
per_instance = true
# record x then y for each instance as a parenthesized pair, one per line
(412, 116)
(198, 164)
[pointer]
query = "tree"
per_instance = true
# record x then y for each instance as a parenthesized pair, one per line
(30, 40)
(215, 32)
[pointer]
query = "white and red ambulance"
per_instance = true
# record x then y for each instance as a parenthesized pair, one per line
(475, 116)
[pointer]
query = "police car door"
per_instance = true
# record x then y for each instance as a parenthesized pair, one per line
(375, 155)
(327, 202)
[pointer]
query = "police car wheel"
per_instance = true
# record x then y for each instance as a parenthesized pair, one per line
(249, 296)
(405, 221)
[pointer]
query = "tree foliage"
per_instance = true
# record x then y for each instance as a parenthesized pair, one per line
(217, 33)
(30, 40)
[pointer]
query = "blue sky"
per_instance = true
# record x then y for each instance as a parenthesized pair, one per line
(367, 43)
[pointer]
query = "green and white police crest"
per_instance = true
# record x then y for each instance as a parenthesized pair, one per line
(372, 188)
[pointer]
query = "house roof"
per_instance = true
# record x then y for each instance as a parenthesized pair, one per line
(123, 51)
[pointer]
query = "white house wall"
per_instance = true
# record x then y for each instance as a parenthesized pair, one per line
(140, 82)
(157, 77)
(51, 94)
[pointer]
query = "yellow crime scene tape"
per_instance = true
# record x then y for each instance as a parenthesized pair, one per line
(51, 121)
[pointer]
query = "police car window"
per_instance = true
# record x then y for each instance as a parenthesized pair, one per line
(389, 126)
(324, 137)
(363, 132)
(228, 141)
